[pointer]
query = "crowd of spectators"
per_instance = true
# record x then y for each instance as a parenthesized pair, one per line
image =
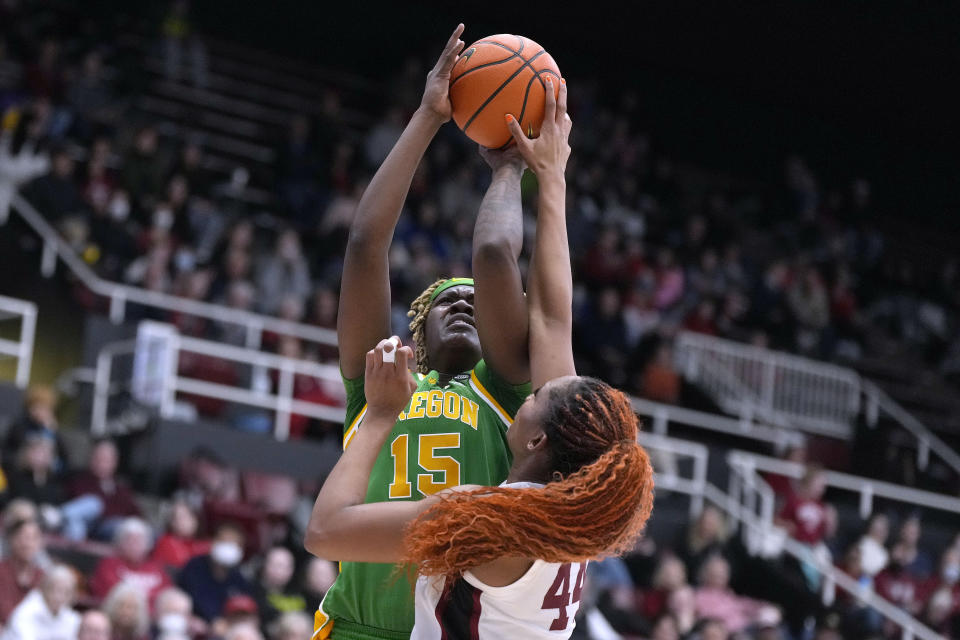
(83, 556)
(704, 584)
(657, 245)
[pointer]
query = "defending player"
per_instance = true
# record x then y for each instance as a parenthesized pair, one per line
(508, 561)
(472, 362)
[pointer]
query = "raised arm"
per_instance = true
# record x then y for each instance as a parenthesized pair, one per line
(364, 315)
(499, 303)
(342, 527)
(550, 284)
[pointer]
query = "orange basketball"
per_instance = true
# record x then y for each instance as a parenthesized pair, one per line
(498, 75)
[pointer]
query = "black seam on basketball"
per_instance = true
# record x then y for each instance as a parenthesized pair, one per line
(485, 64)
(501, 87)
(526, 94)
(503, 46)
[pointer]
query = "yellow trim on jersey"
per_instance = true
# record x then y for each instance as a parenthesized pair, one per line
(488, 397)
(322, 625)
(352, 431)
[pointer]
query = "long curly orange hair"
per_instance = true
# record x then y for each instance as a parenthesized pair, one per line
(596, 506)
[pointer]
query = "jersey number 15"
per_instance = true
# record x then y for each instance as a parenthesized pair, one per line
(447, 466)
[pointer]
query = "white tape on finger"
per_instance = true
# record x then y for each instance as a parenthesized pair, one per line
(391, 356)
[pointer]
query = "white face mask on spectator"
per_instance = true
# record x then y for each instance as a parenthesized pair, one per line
(172, 623)
(226, 553)
(951, 573)
(163, 218)
(119, 208)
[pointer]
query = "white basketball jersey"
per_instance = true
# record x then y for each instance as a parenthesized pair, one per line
(540, 605)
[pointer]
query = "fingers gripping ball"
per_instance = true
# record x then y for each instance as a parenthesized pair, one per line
(498, 75)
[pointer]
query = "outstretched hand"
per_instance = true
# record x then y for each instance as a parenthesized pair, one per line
(548, 153)
(388, 385)
(436, 95)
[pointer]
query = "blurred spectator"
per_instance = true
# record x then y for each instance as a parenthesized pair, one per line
(716, 600)
(44, 77)
(180, 543)
(804, 515)
(810, 306)
(35, 477)
(126, 607)
(39, 418)
(46, 612)
(665, 628)
(130, 563)
(383, 136)
(239, 610)
(292, 625)
(897, 584)
(56, 194)
(173, 616)
(243, 632)
(90, 97)
(318, 577)
(705, 538)
(659, 380)
(22, 566)
(143, 171)
(298, 167)
(100, 483)
(272, 591)
(283, 273)
(916, 561)
(94, 625)
(711, 629)
(682, 605)
(210, 579)
(669, 281)
(671, 575)
(180, 36)
(873, 550)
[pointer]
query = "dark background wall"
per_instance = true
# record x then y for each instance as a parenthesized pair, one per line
(856, 87)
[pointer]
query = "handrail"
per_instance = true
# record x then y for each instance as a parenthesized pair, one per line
(823, 397)
(910, 626)
(926, 439)
(282, 402)
(761, 526)
(866, 487)
(784, 388)
(21, 348)
(694, 450)
(663, 414)
(119, 294)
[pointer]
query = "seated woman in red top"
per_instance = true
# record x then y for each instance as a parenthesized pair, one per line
(180, 543)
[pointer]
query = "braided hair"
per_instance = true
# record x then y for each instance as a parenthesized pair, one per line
(419, 309)
(596, 506)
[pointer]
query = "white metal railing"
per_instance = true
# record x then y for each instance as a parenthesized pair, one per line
(667, 475)
(745, 427)
(755, 529)
(878, 403)
(119, 295)
(867, 488)
(785, 389)
(170, 382)
(910, 627)
(22, 347)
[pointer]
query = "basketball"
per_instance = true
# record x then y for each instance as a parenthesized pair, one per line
(498, 75)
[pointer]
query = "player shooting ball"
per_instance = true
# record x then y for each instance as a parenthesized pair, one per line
(472, 368)
(505, 561)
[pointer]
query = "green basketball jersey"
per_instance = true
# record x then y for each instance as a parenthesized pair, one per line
(447, 436)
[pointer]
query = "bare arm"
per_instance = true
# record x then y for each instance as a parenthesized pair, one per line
(499, 302)
(550, 281)
(364, 314)
(341, 527)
